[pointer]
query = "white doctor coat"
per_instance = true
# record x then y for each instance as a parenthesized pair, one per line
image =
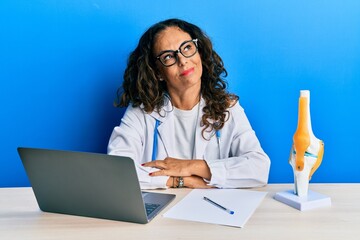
(242, 161)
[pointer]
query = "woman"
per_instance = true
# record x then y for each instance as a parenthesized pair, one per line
(181, 127)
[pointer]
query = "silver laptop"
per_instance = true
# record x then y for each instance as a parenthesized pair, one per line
(90, 185)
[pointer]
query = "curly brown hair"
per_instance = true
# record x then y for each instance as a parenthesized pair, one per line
(142, 88)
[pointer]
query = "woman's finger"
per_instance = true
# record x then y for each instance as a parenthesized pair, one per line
(156, 164)
(158, 173)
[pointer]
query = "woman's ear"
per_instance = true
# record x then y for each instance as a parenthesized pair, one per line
(160, 77)
(159, 74)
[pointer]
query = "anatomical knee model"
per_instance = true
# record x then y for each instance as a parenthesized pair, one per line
(307, 151)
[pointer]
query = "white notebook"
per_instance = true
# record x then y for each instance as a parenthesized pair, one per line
(193, 207)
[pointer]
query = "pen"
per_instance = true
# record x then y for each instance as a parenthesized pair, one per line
(218, 205)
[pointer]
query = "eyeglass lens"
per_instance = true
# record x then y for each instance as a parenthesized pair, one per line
(187, 49)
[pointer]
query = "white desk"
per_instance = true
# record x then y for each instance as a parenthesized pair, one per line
(20, 218)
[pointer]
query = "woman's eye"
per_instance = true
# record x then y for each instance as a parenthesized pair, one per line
(187, 47)
(167, 57)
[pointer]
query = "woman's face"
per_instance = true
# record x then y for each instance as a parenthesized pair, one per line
(185, 74)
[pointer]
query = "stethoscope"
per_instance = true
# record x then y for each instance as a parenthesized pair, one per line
(155, 140)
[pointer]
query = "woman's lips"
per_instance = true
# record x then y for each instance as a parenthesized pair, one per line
(187, 72)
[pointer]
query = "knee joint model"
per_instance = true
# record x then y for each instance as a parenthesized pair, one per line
(307, 151)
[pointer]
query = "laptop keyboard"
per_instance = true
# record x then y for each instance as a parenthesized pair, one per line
(150, 207)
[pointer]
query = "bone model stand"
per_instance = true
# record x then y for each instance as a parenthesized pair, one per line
(305, 157)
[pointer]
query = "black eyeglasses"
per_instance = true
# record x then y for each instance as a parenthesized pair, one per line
(170, 57)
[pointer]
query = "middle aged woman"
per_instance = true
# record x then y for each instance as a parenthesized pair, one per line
(181, 127)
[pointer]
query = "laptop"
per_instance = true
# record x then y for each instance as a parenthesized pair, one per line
(90, 185)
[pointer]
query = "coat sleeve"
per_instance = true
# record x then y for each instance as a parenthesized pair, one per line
(128, 139)
(245, 164)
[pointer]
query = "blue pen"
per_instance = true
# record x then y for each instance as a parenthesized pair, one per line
(218, 205)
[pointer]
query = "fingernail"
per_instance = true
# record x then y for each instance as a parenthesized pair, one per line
(143, 164)
(150, 174)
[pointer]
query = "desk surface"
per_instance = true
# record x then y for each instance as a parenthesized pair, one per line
(20, 218)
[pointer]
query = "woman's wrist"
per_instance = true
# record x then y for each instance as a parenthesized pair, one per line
(200, 168)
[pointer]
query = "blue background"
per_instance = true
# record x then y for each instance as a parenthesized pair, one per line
(61, 63)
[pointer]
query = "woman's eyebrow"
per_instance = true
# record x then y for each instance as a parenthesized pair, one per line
(169, 50)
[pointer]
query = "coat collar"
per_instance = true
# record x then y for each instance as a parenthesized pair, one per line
(165, 112)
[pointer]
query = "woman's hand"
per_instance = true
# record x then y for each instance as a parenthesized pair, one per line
(178, 167)
(170, 167)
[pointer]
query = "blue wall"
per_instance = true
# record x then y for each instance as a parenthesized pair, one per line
(62, 61)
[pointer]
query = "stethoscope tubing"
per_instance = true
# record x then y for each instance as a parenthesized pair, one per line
(155, 140)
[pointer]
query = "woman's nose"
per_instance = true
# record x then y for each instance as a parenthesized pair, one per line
(181, 59)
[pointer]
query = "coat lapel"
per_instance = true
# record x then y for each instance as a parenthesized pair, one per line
(167, 134)
(200, 142)
(166, 128)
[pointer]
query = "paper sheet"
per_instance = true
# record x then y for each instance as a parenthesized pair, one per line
(194, 208)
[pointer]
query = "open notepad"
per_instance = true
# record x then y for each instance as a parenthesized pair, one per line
(193, 207)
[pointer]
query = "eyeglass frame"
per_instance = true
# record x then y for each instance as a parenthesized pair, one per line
(176, 52)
